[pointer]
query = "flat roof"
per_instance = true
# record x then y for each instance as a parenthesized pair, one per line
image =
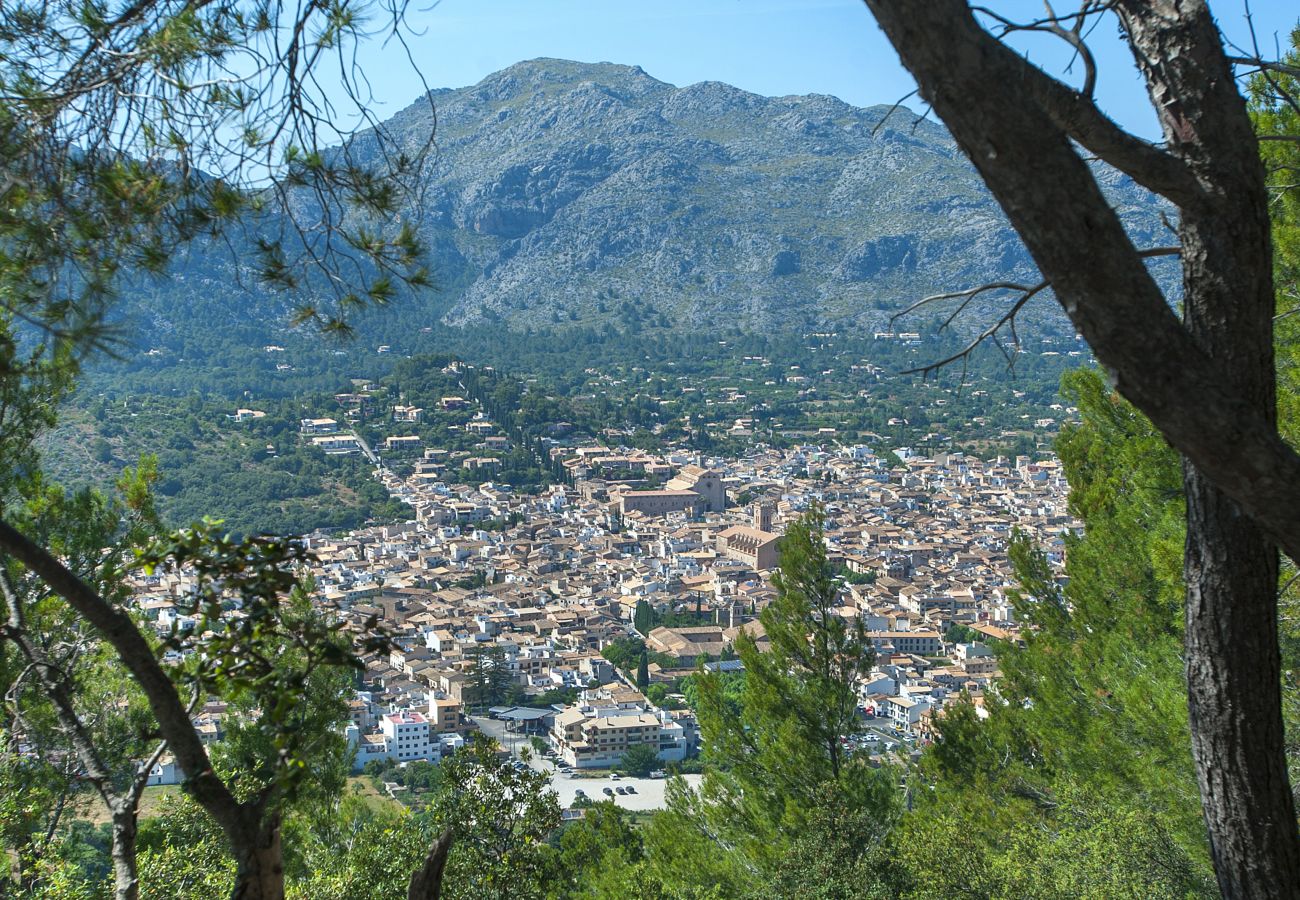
(523, 713)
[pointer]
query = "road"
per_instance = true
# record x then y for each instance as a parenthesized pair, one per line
(649, 791)
(365, 448)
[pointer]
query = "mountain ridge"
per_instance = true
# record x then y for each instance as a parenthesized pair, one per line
(567, 193)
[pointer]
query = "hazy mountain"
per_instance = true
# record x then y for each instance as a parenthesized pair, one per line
(571, 193)
(561, 189)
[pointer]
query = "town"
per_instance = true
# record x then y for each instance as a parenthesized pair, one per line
(566, 623)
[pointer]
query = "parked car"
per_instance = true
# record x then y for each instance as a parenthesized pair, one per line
(609, 792)
(658, 773)
(620, 790)
(614, 776)
(579, 793)
(631, 789)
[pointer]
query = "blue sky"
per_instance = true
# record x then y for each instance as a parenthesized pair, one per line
(770, 47)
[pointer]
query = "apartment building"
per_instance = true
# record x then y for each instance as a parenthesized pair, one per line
(592, 737)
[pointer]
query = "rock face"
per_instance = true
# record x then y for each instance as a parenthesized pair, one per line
(560, 192)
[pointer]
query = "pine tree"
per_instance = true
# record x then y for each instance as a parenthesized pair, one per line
(771, 759)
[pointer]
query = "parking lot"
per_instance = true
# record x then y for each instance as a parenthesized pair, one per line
(648, 792)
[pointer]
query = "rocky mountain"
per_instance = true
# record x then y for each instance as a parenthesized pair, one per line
(561, 191)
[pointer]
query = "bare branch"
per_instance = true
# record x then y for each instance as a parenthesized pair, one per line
(1006, 320)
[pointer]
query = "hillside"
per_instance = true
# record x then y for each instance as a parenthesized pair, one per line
(566, 193)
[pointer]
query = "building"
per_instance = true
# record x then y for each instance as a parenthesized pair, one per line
(687, 645)
(403, 737)
(661, 503)
(318, 426)
(448, 716)
(756, 549)
(905, 712)
(591, 737)
(337, 443)
(165, 771)
(407, 736)
(705, 482)
(920, 643)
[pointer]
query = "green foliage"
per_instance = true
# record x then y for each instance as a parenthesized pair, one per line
(773, 756)
(596, 850)
(183, 854)
(657, 694)
(977, 845)
(501, 817)
(352, 850)
(841, 853)
(643, 617)
(489, 678)
(639, 760)
(1085, 745)
(624, 652)
(732, 693)
(960, 634)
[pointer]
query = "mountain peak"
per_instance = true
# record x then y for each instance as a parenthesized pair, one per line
(572, 193)
(546, 73)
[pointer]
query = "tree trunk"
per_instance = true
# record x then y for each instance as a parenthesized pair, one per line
(1230, 566)
(426, 881)
(260, 863)
(1207, 383)
(1234, 697)
(126, 876)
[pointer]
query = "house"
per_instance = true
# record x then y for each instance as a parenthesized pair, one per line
(922, 643)
(403, 736)
(318, 426)
(705, 482)
(337, 443)
(661, 503)
(687, 645)
(448, 716)
(905, 712)
(165, 771)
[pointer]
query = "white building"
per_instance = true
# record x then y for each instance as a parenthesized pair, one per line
(403, 737)
(589, 737)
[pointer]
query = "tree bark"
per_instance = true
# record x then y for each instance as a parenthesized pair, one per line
(1232, 660)
(426, 882)
(1207, 383)
(126, 875)
(259, 872)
